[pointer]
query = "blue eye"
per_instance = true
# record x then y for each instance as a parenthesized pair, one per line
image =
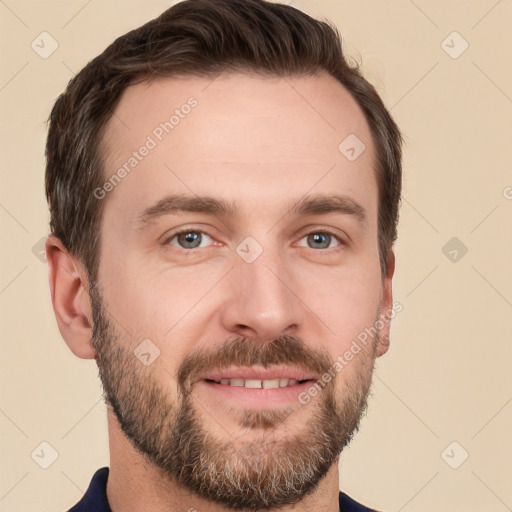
(194, 239)
(320, 240)
(190, 239)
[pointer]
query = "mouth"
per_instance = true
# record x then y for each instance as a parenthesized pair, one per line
(257, 377)
(256, 387)
(258, 383)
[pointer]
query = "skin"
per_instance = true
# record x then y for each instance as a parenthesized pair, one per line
(260, 143)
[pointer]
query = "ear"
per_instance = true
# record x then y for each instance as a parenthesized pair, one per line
(386, 305)
(69, 290)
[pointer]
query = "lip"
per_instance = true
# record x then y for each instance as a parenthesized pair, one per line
(254, 397)
(257, 373)
(258, 398)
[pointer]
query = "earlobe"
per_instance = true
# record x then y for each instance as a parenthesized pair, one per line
(70, 298)
(386, 306)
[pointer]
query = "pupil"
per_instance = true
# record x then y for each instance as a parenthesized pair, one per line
(190, 239)
(321, 240)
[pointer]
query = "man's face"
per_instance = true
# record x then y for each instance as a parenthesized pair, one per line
(194, 331)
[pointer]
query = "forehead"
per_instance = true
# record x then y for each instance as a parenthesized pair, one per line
(264, 139)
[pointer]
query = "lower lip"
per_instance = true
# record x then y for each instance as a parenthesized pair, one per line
(257, 397)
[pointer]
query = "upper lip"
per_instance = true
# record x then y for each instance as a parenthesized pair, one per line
(256, 373)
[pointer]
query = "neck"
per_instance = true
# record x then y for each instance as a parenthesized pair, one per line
(136, 485)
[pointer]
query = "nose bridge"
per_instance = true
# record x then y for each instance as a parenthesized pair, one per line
(261, 303)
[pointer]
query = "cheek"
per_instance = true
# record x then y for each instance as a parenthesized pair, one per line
(345, 301)
(153, 300)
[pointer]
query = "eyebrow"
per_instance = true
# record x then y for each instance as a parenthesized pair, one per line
(178, 204)
(320, 205)
(309, 205)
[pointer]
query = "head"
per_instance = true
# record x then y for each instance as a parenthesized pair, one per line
(206, 218)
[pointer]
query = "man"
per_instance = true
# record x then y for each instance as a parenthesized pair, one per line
(224, 194)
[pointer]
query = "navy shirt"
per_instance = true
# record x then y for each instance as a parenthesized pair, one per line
(95, 498)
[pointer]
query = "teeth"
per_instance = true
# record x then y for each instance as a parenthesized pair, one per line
(258, 384)
(251, 383)
(271, 384)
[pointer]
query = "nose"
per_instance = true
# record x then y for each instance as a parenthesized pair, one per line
(260, 301)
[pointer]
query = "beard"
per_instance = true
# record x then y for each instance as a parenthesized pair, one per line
(268, 470)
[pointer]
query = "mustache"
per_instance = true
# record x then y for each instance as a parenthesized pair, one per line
(244, 351)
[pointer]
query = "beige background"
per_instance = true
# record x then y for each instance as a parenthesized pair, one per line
(447, 376)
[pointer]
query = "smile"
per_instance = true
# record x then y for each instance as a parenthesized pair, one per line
(255, 387)
(259, 384)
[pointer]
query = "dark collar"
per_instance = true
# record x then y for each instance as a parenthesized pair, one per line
(95, 498)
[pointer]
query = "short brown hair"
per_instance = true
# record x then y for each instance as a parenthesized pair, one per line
(199, 38)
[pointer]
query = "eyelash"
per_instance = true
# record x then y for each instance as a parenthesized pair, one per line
(314, 232)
